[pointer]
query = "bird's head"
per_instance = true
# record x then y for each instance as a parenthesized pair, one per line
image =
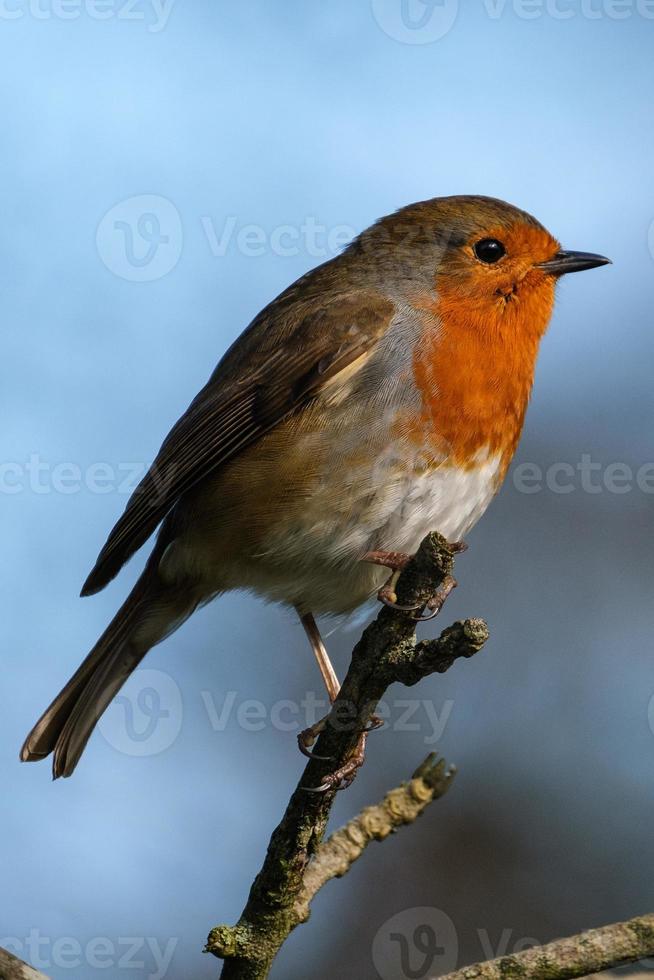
(482, 260)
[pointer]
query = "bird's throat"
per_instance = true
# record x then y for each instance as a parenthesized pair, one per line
(474, 368)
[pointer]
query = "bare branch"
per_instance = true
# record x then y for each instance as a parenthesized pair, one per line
(576, 956)
(400, 806)
(387, 653)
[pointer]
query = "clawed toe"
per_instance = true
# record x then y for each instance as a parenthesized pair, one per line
(307, 737)
(437, 601)
(389, 598)
(344, 776)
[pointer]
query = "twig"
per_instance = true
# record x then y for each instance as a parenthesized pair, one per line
(575, 956)
(11, 968)
(386, 653)
(400, 806)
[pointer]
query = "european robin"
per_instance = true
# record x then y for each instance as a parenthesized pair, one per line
(379, 397)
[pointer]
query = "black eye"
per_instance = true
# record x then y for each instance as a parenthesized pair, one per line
(489, 250)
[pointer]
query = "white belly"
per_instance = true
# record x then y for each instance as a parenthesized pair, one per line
(448, 500)
(316, 564)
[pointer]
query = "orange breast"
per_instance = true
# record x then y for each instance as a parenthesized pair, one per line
(474, 368)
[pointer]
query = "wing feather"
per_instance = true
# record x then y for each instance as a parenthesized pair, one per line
(279, 364)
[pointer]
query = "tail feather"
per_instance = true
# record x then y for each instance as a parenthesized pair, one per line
(148, 615)
(94, 699)
(43, 737)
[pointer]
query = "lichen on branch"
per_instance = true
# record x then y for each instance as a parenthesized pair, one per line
(576, 956)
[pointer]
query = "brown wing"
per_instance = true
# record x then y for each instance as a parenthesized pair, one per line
(290, 351)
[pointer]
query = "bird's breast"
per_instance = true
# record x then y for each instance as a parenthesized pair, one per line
(474, 382)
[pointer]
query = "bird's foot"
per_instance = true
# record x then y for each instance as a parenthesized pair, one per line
(342, 777)
(397, 562)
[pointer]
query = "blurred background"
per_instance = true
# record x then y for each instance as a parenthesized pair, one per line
(169, 167)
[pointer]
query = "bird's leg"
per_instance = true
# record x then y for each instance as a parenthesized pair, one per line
(343, 776)
(308, 736)
(327, 671)
(397, 562)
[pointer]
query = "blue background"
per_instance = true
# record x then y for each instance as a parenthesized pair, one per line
(271, 115)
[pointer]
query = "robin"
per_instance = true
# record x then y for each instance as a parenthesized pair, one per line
(379, 397)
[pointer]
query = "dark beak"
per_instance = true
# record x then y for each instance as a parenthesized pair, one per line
(572, 262)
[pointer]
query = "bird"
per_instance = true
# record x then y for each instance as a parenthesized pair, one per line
(379, 397)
